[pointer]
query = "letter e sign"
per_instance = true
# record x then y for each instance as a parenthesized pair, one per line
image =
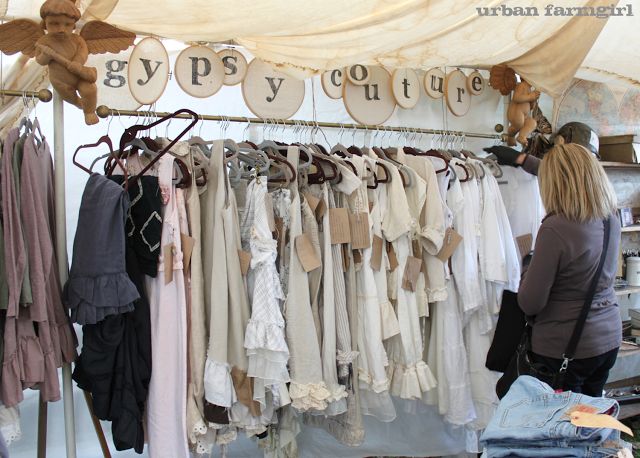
(199, 71)
(373, 102)
(457, 94)
(148, 71)
(271, 94)
(475, 83)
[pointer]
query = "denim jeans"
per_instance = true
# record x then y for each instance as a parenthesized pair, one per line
(551, 452)
(532, 413)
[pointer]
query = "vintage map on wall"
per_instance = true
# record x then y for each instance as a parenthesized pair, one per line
(608, 110)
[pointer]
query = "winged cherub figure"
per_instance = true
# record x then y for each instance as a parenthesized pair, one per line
(54, 43)
(521, 123)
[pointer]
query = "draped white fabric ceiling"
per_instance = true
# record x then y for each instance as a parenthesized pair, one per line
(306, 37)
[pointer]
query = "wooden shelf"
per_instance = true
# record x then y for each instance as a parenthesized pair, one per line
(619, 165)
(627, 290)
(634, 228)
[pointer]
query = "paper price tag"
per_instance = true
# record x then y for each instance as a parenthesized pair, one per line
(339, 225)
(393, 259)
(359, 227)
(594, 420)
(411, 273)
(312, 200)
(306, 254)
(451, 241)
(376, 253)
(245, 261)
(167, 254)
(187, 249)
(525, 242)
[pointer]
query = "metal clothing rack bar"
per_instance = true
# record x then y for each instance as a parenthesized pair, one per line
(104, 112)
(44, 95)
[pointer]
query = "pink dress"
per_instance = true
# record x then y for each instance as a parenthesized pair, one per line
(166, 405)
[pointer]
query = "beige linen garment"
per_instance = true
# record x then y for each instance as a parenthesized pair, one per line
(307, 388)
(409, 374)
(217, 377)
(431, 225)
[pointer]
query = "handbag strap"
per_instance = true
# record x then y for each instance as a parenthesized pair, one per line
(577, 331)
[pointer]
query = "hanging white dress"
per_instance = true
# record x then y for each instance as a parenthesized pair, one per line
(265, 342)
(166, 404)
(409, 374)
(374, 383)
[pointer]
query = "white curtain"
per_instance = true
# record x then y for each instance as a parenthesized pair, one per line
(304, 38)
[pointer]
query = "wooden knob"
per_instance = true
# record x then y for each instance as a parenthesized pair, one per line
(103, 111)
(45, 95)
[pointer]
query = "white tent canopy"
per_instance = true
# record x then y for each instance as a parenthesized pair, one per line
(306, 37)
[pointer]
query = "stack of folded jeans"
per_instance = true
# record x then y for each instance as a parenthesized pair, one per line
(533, 420)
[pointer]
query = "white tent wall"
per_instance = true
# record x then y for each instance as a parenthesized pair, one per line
(410, 435)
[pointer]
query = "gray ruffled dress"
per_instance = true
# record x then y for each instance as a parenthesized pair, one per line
(98, 284)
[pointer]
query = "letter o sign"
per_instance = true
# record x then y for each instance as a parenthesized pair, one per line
(358, 75)
(199, 71)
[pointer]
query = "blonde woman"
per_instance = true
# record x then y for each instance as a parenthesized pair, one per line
(578, 197)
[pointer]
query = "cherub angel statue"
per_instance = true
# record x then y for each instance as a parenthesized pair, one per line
(54, 43)
(524, 99)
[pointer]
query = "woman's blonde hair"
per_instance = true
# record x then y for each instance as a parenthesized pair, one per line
(574, 184)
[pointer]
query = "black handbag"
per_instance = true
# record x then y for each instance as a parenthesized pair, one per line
(508, 334)
(521, 362)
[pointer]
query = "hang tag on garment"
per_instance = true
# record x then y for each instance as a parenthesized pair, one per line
(306, 254)
(393, 259)
(376, 253)
(346, 260)
(312, 200)
(417, 248)
(244, 390)
(357, 257)
(268, 204)
(411, 273)
(245, 261)
(594, 420)
(525, 242)
(167, 254)
(321, 210)
(359, 226)
(451, 241)
(187, 249)
(339, 225)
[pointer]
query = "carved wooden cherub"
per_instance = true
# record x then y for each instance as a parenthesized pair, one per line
(54, 43)
(521, 123)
